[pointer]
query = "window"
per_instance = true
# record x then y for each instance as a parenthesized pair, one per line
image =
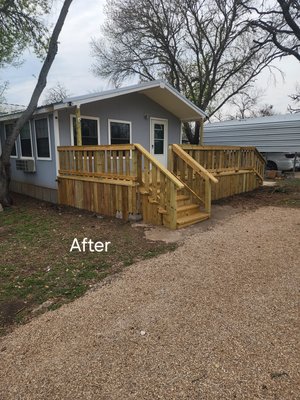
(119, 132)
(8, 132)
(42, 138)
(89, 131)
(159, 136)
(25, 140)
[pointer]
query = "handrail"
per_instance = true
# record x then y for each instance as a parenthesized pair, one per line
(220, 147)
(260, 156)
(163, 169)
(113, 147)
(192, 191)
(193, 164)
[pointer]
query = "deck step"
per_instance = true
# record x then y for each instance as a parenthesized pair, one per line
(187, 209)
(182, 222)
(182, 200)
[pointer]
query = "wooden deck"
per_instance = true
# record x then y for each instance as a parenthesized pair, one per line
(126, 181)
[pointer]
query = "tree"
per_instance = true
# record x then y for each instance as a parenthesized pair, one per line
(26, 115)
(21, 26)
(267, 110)
(296, 100)
(277, 21)
(3, 88)
(56, 94)
(201, 47)
(245, 103)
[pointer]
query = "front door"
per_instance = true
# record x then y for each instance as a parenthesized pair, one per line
(159, 139)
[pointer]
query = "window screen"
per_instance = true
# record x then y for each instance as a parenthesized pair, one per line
(119, 132)
(25, 138)
(89, 132)
(159, 136)
(42, 138)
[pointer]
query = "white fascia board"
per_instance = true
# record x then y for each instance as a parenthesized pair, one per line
(77, 101)
(185, 100)
(12, 117)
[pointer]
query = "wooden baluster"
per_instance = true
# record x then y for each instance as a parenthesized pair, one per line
(84, 161)
(154, 182)
(127, 162)
(108, 161)
(208, 196)
(139, 167)
(162, 201)
(146, 174)
(134, 163)
(114, 162)
(120, 166)
(91, 162)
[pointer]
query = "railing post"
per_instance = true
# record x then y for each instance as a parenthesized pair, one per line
(170, 159)
(139, 167)
(134, 162)
(78, 126)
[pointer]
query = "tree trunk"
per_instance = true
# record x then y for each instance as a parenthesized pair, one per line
(193, 135)
(27, 114)
(5, 197)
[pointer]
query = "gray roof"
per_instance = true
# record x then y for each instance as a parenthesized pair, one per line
(159, 91)
(253, 121)
(278, 133)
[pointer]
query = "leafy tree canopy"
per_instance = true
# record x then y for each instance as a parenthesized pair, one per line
(22, 26)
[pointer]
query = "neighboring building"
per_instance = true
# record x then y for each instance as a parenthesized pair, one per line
(278, 133)
(150, 114)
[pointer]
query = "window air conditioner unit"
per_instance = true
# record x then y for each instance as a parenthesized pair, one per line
(25, 165)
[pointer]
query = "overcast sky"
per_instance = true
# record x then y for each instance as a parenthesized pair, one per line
(72, 65)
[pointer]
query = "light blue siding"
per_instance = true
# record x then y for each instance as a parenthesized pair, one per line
(45, 174)
(136, 108)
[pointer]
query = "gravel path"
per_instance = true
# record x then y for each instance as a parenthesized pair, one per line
(217, 319)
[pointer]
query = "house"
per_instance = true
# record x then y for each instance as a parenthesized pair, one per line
(277, 133)
(148, 113)
(117, 153)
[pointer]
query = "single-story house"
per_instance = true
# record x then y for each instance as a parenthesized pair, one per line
(150, 114)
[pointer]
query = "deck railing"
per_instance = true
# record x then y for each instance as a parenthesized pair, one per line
(107, 162)
(223, 159)
(124, 165)
(196, 179)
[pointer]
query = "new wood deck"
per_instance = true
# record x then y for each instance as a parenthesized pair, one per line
(126, 181)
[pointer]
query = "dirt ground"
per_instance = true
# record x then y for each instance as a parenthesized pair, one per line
(215, 319)
(37, 270)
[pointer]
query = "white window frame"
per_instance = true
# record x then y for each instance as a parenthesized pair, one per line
(121, 122)
(31, 142)
(49, 140)
(5, 137)
(84, 117)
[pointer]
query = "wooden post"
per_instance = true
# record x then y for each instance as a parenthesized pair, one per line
(78, 126)
(170, 159)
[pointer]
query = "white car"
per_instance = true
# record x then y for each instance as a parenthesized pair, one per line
(282, 161)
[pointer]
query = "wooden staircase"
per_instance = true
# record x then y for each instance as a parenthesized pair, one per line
(188, 212)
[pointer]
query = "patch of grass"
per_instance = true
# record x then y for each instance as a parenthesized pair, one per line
(36, 264)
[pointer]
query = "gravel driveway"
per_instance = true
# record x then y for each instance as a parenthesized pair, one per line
(216, 319)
